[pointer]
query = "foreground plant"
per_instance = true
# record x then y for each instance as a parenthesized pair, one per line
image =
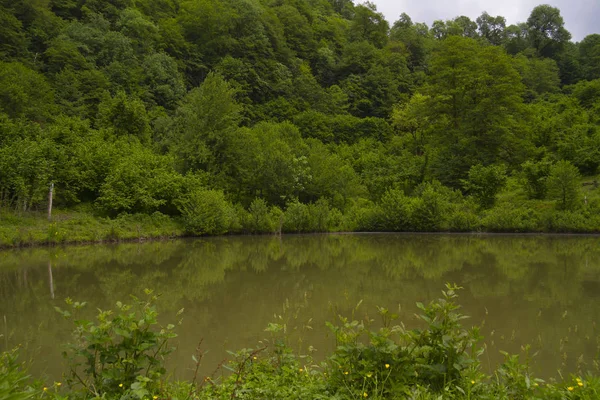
(121, 354)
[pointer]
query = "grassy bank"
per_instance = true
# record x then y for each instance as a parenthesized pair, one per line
(121, 355)
(434, 209)
(29, 229)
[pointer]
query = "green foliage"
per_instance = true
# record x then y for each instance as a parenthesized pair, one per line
(563, 184)
(485, 182)
(122, 354)
(313, 217)
(204, 121)
(141, 181)
(392, 359)
(316, 104)
(396, 211)
(534, 176)
(127, 117)
(429, 210)
(511, 218)
(545, 28)
(261, 219)
(206, 212)
(24, 93)
(13, 378)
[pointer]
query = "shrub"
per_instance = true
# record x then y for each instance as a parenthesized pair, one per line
(484, 183)
(386, 362)
(511, 218)
(314, 217)
(534, 176)
(363, 216)
(296, 217)
(429, 210)
(396, 208)
(122, 355)
(464, 220)
(206, 212)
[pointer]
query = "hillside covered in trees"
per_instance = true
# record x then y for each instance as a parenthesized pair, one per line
(301, 115)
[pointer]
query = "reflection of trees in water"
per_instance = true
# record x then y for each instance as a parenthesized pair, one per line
(231, 286)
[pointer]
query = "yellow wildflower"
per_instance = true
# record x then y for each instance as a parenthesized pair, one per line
(345, 372)
(387, 365)
(300, 370)
(155, 397)
(570, 388)
(580, 383)
(45, 389)
(369, 374)
(58, 383)
(120, 385)
(472, 382)
(365, 394)
(255, 358)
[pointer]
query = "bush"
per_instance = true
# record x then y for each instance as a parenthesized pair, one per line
(534, 176)
(395, 211)
(464, 220)
(314, 217)
(511, 218)
(122, 356)
(141, 182)
(484, 183)
(363, 216)
(386, 362)
(206, 212)
(296, 218)
(429, 210)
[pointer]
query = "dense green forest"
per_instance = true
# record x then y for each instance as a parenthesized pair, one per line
(296, 115)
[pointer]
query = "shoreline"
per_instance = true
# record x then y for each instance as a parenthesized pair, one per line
(162, 238)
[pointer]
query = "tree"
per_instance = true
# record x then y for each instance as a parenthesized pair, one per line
(13, 42)
(540, 75)
(516, 38)
(493, 29)
(563, 184)
(415, 38)
(369, 25)
(462, 26)
(25, 93)
(546, 31)
(589, 56)
(204, 122)
(474, 106)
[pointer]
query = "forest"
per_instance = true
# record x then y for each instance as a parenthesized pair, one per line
(247, 116)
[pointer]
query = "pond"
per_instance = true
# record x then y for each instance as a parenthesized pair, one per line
(528, 289)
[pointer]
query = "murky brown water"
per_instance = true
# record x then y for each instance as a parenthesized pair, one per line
(541, 290)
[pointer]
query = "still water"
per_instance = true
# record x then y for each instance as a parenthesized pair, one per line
(537, 290)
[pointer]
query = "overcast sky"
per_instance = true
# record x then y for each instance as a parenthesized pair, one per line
(582, 17)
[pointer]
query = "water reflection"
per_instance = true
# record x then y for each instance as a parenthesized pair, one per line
(540, 290)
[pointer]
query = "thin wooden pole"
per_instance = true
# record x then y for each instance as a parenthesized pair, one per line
(50, 195)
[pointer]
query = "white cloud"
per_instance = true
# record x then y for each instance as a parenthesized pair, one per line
(581, 16)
